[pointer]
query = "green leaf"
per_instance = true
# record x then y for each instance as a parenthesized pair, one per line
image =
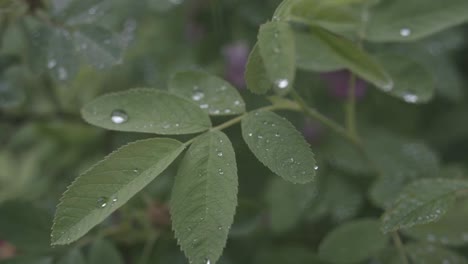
(451, 229)
(352, 242)
(25, 226)
(61, 59)
(417, 87)
(204, 197)
(80, 12)
(353, 58)
(422, 202)
(146, 110)
(103, 251)
(214, 95)
(278, 145)
(432, 254)
(287, 203)
(345, 156)
(256, 77)
(99, 46)
(314, 55)
(98, 192)
(278, 51)
(332, 15)
(402, 20)
(74, 256)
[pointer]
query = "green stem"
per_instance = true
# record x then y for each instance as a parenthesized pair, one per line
(351, 107)
(400, 247)
(324, 120)
(148, 248)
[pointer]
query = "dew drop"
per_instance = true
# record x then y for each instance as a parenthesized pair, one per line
(102, 202)
(62, 74)
(177, 125)
(316, 168)
(282, 83)
(220, 153)
(259, 137)
(250, 134)
(207, 261)
(197, 96)
(51, 64)
(223, 88)
(405, 32)
(119, 117)
(92, 11)
(277, 135)
(136, 170)
(237, 103)
(204, 106)
(114, 200)
(220, 171)
(216, 112)
(410, 98)
(220, 228)
(227, 111)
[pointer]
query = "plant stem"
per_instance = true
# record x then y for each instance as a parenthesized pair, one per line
(400, 247)
(147, 248)
(324, 120)
(351, 106)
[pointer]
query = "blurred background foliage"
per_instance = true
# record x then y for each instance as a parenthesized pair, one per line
(56, 55)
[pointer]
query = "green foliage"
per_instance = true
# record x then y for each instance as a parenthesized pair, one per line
(277, 49)
(352, 242)
(264, 132)
(422, 202)
(203, 206)
(214, 95)
(146, 110)
(401, 20)
(101, 190)
(397, 152)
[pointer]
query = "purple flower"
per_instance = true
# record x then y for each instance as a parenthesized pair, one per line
(236, 55)
(312, 131)
(338, 84)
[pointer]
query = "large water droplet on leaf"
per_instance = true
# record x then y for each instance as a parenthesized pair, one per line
(405, 32)
(102, 202)
(282, 83)
(119, 117)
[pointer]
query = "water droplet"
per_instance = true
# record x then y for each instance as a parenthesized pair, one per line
(62, 74)
(227, 111)
(51, 64)
(204, 106)
(114, 199)
(207, 261)
(291, 159)
(237, 103)
(250, 134)
(410, 98)
(282, 83)
(136, 170)
(316, 167)
(220, 228)
(220, 153)
(216, 112)
(177, 125)
(223, 88)
(277, 135)
(220, 171)
(259, 137)
(119, 117)
(102, 202)
(405, 32)
(166, 126)
(197, 96)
